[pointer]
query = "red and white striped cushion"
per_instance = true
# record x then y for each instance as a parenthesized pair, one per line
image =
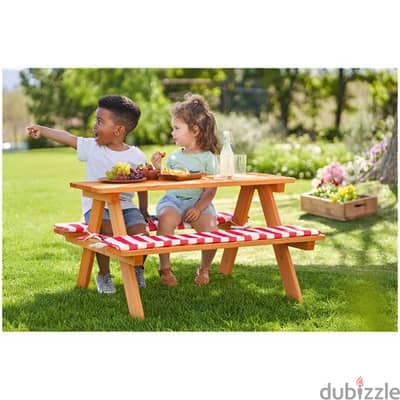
(136, 242)
(72, 227)
(222, 217)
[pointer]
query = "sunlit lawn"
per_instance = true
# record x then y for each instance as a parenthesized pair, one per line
(349, 282)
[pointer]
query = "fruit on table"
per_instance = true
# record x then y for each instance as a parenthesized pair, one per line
(149, 171)
(169, 171)
(123, 171)
(148, 167)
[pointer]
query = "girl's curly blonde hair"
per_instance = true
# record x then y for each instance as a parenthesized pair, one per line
(195, 111)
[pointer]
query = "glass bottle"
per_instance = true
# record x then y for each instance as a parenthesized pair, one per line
(226, 158)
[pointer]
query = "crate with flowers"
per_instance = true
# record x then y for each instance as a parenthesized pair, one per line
(334, 194)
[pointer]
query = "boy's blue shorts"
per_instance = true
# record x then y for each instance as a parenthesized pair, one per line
(132, 216)
(182, 205)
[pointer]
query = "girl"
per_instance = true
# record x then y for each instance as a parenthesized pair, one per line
(194, 129)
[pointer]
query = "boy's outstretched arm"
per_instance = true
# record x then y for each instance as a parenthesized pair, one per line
(62, 137)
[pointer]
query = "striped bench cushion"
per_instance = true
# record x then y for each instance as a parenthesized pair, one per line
(71, 227)
(136, 242)
(222, 217)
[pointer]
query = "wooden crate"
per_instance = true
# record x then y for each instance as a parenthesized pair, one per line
(362, 207)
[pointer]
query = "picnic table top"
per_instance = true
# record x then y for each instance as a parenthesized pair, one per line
(249, 179)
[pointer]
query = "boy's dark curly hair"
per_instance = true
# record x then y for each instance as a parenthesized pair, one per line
(125, 111)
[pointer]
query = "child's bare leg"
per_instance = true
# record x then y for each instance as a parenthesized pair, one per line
(205, 223)
(168, 219)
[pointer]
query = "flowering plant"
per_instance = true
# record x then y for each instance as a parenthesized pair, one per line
(331, 174)
(376, 151)
(336, 193)
(331, 177)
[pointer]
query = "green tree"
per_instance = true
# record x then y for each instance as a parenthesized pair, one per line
(50, 102)
(317, 88)
(243, 92)
(142, 85)
(383, 90)
(281, 84)
(68, 97)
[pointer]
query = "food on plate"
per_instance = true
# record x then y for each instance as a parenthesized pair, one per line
(123, 171)
(170, 171)
(149, 171)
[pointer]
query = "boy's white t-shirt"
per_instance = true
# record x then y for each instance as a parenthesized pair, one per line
(100, 159)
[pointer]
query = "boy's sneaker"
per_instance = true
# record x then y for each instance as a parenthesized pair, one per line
(105, 284)
(140, 277)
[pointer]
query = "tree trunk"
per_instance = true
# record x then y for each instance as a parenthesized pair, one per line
(388, 167)
(225, 98)
(340, 98)
(286, 97)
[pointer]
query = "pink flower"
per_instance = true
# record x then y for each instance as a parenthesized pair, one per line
(333, 173)
(376, 152)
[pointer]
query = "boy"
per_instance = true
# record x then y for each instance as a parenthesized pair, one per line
(116, 116)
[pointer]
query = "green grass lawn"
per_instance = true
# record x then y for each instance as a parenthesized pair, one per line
(349, 282)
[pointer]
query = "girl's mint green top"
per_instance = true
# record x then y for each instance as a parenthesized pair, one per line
(199, 162)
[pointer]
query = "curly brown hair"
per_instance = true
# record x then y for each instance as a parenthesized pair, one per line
(195, 111)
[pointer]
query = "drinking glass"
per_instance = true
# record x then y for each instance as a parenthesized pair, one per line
(240, 165)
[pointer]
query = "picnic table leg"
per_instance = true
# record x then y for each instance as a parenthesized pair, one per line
(282, 254)
(131, 287)
(240, 217)
(87, 258)
(132, 291)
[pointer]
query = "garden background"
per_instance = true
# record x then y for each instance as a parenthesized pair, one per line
(288, 121)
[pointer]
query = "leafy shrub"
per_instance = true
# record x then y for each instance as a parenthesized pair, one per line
(269, 152)
(298, 157)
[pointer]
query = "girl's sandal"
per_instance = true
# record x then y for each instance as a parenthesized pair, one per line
(202, 276)
(167, 277)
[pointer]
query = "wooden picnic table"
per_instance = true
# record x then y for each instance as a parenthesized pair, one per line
(264, 184)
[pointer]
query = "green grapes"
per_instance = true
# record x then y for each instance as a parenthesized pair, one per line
(123, 171)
